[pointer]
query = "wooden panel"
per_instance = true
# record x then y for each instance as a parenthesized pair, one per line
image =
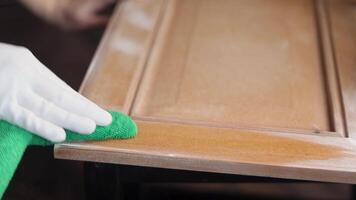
(176, 146)
(254, 63)
(343, 26)
(223, 86)
(116, 68)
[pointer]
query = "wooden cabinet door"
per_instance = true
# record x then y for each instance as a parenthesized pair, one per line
(251, 87)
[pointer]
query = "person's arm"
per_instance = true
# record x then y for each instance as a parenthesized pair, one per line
(34, 98)
(70, 14)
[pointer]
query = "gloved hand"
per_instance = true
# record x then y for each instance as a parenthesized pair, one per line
(34, 98)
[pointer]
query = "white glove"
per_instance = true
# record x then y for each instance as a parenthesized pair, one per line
(34, 98)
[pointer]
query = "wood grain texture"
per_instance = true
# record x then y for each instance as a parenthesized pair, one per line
(219, 150)
(224, 86)
(254, 63)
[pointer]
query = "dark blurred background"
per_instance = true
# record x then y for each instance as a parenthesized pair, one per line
(40, 176)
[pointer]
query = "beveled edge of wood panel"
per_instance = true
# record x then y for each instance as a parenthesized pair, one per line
(344, 69)
(236, 126)
(102, 50)
(101, 47)
(328, 59)
(326, 159)
(132, 93)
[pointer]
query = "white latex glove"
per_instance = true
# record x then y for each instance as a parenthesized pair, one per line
(34, 98)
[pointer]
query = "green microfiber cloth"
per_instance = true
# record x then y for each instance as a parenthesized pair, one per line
(14, 141)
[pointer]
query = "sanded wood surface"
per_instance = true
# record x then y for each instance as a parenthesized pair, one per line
(117, 66)
(343, 30)
(252, 87)
(254, 63)
(177, 146)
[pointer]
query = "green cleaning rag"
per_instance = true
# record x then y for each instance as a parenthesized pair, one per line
(14, 140)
